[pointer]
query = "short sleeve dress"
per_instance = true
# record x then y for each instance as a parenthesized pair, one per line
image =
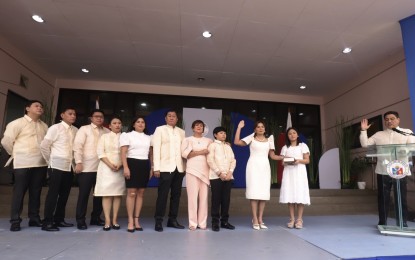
(258, 170)
(294, 186)
(109, 183)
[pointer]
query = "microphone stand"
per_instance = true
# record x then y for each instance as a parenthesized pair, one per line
(402, 132)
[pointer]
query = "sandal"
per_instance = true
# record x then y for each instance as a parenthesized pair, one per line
(291, 223)
(138, 227)
(299, 224)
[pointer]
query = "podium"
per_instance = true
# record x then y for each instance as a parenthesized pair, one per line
(395, 160)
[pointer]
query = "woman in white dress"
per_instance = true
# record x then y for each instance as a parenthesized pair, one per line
(110, 180)
(294, 187)
(258, 171)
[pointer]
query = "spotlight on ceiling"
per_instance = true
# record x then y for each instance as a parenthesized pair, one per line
(143, 104)
(303, 87)
(85, 70)
(347, 50)
(37, 18)
(207, 34)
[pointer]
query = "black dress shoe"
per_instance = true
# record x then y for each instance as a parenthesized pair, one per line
(139, 229)
(15, 227)
(130, 230)
(63, 224)
(174, 224)
(97, 222)
(227, 225)
(81, 226)
(215, 227)
(35, 223)
(116, 226)
(158, 227)
(50, 227)
(106, 228)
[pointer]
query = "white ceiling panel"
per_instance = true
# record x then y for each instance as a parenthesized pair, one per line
(192, 27)
(152, 26)
(216, 8)
(257, 45)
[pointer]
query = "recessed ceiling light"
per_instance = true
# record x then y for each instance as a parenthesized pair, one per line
(300, 114)
(347, 50)
(207, 34)
(303, 87)
(253, 111)
(201, 79)
(37, 18)
(143, 104)
(203, 107)
(85, 70)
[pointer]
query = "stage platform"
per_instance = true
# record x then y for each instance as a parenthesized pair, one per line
(323, 237)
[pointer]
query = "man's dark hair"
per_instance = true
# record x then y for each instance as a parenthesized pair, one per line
(64, 109)
(96, 111)
(171, 110)
(30, 102)
(391, 113)
(218, 129)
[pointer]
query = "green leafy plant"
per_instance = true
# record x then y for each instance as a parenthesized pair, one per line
(48, 113)
(273, 128)
(344, 141)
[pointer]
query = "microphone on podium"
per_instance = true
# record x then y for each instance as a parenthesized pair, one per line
(402, 132)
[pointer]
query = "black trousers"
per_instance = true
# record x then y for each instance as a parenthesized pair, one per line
(86, 182)
(25, 179)
(221, 198)
(385, 183)
(60, 183)
(169, 182)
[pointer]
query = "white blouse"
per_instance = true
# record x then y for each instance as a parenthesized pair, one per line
(138, 144)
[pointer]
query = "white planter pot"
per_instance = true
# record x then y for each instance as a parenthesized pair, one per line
(361, 185)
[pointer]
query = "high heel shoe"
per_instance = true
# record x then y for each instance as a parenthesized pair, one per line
(130, 230)
(291, 223)
(106, 228)
(138, 228)
(255, 226)
(299, 224)
(262, 226)
(116, 227)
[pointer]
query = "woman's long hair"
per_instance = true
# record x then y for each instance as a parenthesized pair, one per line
(263, 123)
(287, 140)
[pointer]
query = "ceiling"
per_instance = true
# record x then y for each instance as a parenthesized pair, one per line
(257, 45)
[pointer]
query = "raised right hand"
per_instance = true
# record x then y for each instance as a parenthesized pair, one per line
(364, 124)
(241, 124)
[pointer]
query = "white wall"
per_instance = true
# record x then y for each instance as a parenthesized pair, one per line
(13, 63)
(380, 89)
(185, 91)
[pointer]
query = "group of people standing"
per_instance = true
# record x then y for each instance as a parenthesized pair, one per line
(114, 164)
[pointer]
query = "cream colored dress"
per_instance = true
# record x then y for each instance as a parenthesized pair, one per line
(109, 183)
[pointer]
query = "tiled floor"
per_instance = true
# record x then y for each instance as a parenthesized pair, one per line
(328, 237)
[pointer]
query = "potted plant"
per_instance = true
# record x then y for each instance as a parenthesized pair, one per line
(358, 166)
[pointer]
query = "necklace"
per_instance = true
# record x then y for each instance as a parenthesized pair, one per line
(260, 140)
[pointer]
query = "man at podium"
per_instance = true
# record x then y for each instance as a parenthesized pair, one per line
(393, 134)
